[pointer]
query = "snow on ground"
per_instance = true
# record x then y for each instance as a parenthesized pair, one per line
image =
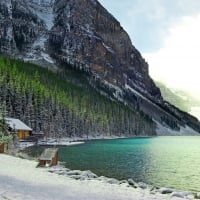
(65, 141)
(61, 143)
(21, 180)
(23, 145)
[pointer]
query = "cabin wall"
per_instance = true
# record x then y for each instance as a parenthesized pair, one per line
(2, 148)
(23, 134)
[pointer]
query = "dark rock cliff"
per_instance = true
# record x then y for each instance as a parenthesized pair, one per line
(84, 34)
(76, 31)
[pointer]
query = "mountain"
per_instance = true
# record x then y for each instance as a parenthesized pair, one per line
(181, 99)
(83, 35)
(176, 97)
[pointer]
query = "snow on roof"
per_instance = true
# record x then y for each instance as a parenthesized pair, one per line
(17, 124)
(48, 154)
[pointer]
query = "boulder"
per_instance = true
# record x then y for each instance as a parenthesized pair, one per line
(77, 177)
(102, 178)
(74, 172)
(131, 182)
(89, 174)
(112, 181)
(181, 194)
(165, 190)
(198, 195)
(123, 182)
(142, 185)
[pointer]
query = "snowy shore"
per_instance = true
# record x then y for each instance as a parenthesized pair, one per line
(65, 141)
(21, 180)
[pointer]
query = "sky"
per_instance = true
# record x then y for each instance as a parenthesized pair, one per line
(167, 33)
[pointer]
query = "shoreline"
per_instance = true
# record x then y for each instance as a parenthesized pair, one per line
(46, 183)
(60, 169)
(71, 141)
(89, 175)
(82, 140)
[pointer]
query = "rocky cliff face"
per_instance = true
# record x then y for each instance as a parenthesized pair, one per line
(84, 34)
(81, 32)
(90, 35)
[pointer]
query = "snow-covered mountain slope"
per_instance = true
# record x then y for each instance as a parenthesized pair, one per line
(54, 33)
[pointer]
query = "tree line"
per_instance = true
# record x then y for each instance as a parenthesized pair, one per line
(47, 102)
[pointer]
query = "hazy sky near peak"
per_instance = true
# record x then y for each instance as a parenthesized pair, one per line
(167, 33)
(148, 22)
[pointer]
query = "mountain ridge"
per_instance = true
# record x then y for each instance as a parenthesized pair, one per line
(55, 33)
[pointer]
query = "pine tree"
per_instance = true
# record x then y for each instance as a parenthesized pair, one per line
(5, 135)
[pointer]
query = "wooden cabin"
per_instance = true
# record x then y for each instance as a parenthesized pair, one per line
(49, 157)
(22, 130)
(2, 148)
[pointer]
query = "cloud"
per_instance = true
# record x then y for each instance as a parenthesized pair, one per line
(178, 62)
(168, 35)
(148, 22)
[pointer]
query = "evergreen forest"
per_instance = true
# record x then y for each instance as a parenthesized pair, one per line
(58, 106)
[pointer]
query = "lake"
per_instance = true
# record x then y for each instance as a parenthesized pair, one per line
(160, 161)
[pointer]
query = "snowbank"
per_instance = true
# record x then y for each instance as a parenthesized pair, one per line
(21, 180)
(50, 142)
(65, 141)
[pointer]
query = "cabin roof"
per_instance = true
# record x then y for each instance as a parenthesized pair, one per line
(17, 124)
(48, 154)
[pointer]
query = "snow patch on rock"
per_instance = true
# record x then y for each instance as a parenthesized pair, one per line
(47, 57)
(108, 48)
(44, 10)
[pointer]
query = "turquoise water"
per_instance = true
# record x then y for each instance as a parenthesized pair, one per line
(161, 161)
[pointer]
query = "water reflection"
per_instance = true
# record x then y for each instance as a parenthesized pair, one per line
(161, 161)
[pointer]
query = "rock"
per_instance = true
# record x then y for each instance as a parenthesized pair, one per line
(108, 180)
(74, 172)
(77, 177)
(57, 170)
(165, 190)
(153, 192)
(60, 172)
(190, 197)
(142, 185)
(123, 182)
(89, 174)
(181, 194)
(198, 195)
(101, 178)
(80, 36)
(112, 181)
(150, 187)
(131, 182)
(83, 178)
